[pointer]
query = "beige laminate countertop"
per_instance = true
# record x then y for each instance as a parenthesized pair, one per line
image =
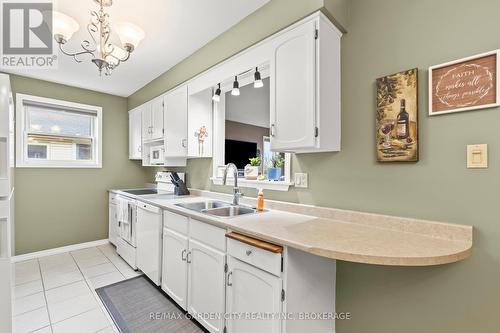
(342, 235)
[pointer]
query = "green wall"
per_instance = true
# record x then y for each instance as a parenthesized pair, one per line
(58, 207)
(386, 36)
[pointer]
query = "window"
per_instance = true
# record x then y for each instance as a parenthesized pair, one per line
(58, 134)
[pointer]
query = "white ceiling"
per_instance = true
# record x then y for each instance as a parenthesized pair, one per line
(174, 30)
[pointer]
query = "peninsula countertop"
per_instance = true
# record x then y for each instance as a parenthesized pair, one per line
(337, 234)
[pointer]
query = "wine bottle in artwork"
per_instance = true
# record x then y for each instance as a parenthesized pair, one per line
(403, 122)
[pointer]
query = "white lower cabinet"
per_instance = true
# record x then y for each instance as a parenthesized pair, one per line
(113, 220)
(251, 290)
(206, 285)
(242, 287)
(174, 281)
(193, 269)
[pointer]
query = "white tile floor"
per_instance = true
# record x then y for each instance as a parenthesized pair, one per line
(56, 294)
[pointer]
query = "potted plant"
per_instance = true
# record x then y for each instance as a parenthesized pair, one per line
(252, 169)
(274, 172)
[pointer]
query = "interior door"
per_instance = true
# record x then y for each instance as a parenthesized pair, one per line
(206, 284)
(135, 135)
(149, 241)
(175, 124)
(174, 277)
(293, 81)
(157, 118)
(252, 290)
(146, 121)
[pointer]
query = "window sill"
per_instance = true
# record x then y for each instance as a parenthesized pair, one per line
(258, 184)
(59, 166)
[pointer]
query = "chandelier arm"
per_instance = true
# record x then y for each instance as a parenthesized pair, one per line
(75, 55)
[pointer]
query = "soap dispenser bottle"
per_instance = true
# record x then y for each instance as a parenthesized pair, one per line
(260, 201)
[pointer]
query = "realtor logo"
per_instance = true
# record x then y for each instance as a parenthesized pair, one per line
(27, 35)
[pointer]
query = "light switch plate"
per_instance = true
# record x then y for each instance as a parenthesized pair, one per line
(301, 180)
(477, 156)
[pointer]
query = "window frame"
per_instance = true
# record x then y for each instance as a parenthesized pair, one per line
(22, 160)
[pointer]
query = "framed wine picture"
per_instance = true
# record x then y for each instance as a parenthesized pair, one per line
(397, 117)
(465, 84)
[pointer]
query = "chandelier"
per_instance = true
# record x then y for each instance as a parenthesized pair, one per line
(103, 53)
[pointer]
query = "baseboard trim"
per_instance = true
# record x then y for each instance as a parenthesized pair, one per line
(58, 250)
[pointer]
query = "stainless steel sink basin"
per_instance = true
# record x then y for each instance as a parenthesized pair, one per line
(200, 206)
(229, 211)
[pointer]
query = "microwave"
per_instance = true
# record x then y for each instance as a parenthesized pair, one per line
(157, 155)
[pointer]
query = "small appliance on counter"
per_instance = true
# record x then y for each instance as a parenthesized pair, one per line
(157, 155)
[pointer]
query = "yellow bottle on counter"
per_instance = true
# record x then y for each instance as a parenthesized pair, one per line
(260, 201)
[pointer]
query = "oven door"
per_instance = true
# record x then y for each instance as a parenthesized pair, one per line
(127, 228)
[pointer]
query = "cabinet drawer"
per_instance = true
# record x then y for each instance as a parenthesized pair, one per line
(175, 222)
(112, 198)
(253, 255)
(208, 234)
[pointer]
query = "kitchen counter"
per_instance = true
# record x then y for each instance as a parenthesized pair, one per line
(339, 234)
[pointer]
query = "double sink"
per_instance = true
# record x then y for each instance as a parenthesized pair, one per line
(217, 208)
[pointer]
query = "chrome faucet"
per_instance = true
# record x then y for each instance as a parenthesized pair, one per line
(236, 190)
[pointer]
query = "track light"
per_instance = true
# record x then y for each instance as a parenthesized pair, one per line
(236, 87)
(216, 96)
(257, 83)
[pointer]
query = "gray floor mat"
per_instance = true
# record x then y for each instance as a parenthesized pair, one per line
(132, 302)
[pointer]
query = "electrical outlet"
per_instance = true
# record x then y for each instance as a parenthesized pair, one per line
(301, 180)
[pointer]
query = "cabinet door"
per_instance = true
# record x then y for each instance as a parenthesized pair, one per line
(135, 134)
(174, 276)
(113, 224)
(175, 124)
(293, 86)
(149, 241)
(157, 118)
(206, 284)
(146, 121)
(251, 290)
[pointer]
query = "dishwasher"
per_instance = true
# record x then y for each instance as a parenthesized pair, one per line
(149, 241)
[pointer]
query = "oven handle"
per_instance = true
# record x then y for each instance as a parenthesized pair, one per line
(130, 215)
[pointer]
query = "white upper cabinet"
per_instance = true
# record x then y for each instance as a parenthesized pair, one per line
(147, 121)
(293, 88)
(200, 124)
(175, 122)
(157, 118)
(152, 119)
(135, 134)
(305, 88)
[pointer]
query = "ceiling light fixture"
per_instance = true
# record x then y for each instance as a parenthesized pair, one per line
(236, 87)
(105, 55)
(217, 93)
(257, 83)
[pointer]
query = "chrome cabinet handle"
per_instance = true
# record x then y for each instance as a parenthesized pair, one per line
(229, 283)
(272, 130)
(183, 255)
(184, 143)
(249, 252)
(139, 149)
(188, 257)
